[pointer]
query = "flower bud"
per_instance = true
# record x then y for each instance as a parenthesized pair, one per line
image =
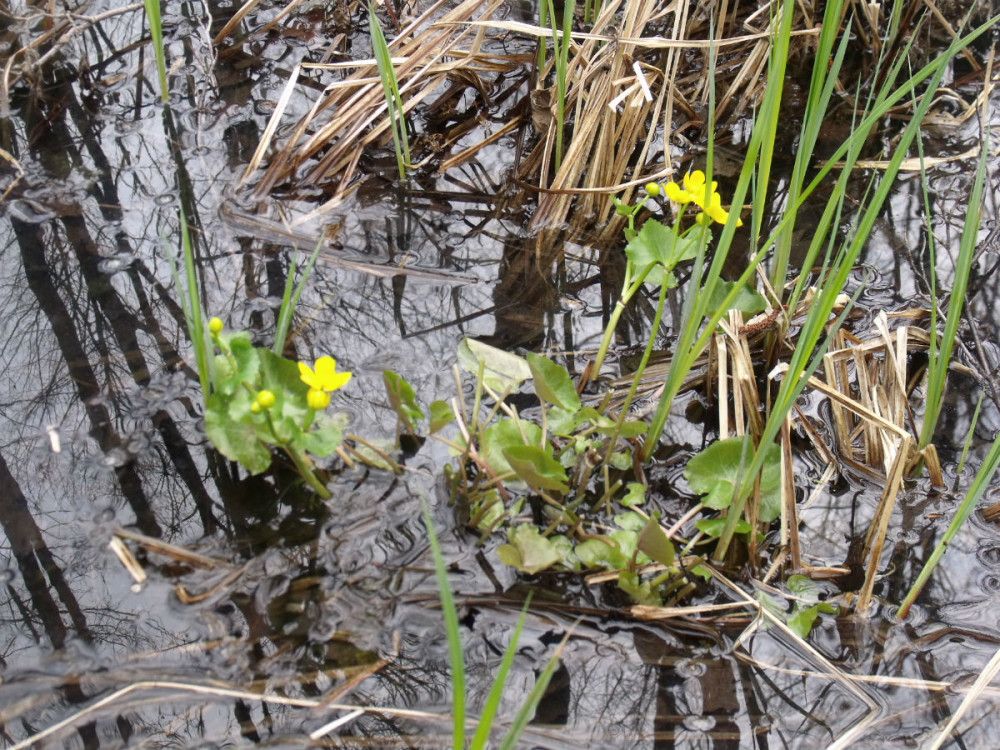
(652, 189)
(256, 408)
(317, 399)
(265, 399)
(215, 326)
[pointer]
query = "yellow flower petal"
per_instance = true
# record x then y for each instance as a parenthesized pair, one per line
(674, 193)
(307, 375)
(717, 213)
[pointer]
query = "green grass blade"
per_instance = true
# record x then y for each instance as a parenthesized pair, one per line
(290, 298)
(527, 710)
(450, 614)
(191, 306)
(937, 370)
(769, 122)
(824, 76)
(482, 735)
(700, 289)
(390, 88)
(156, 33)
(968, 437)
(983, 478)
(543, 21)
(560, 59)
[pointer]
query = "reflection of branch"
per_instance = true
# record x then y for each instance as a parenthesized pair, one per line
(82, 23)
(222, 692)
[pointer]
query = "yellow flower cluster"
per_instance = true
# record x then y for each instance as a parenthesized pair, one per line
(707, 198)
(322, 380)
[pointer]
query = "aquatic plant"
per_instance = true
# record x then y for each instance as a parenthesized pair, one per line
(561, 462)
(260, 399)
(255, 398)
(390, 87)
(940, 355)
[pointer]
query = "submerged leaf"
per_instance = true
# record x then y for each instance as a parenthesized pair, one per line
(803, 588)
(501, 370)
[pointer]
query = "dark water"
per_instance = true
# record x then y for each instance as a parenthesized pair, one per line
(100, 432)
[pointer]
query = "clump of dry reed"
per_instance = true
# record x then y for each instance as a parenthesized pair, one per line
(637, 85)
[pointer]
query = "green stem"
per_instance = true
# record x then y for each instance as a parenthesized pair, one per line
(623, 414)
(304, 466)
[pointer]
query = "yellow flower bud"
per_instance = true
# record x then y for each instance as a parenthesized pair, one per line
(215, 326)
(652, 189)
(265, 399)
(317, 399)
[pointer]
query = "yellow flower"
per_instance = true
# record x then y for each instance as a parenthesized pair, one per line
(706, 198)
(325, 377)
(317, 399)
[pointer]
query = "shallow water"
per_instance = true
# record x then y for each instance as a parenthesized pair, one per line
(101, 431)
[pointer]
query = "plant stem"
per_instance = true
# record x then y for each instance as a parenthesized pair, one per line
(647, 352)
(304, 466)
